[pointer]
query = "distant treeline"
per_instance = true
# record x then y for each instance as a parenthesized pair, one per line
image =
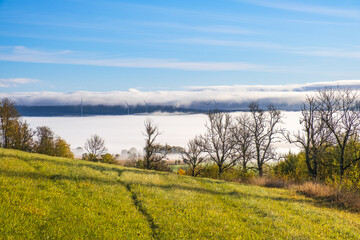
(88, 110)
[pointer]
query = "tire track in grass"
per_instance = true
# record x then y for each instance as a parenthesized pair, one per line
(153, 226)
(143, 211)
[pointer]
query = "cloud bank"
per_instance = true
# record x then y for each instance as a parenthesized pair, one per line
(199, 97)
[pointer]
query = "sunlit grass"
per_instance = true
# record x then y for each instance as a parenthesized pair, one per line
(45, 197)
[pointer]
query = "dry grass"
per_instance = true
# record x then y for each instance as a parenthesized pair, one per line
(344, 197)
(333, 194)
(269, 182)
(313, 189)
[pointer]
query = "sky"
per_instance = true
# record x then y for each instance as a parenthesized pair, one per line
(76, 46)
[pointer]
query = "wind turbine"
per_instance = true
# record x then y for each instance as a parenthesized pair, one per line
(81, 108)
(208, 104)
(215, 104)
(146, 105)
(127, 107)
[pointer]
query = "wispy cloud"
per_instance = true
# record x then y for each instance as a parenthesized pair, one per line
(329, 52)
(353, 53)
(23, 54)
(312, 22)
(14, 82)
(227, 97)
(224, 29)
(228, 43)
(306, 8)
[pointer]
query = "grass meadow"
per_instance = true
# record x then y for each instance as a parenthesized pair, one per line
(44, 197)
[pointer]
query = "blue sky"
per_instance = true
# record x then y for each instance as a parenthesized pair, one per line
(108, 45)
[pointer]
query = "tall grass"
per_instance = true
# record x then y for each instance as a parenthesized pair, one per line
(335, 194)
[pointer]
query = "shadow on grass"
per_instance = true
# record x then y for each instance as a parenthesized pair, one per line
(77, 163)
(56, 177)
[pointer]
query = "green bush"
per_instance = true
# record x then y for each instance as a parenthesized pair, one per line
(108, 158)
(292, 167)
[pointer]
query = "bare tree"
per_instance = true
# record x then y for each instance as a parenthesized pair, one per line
(193, 156)
(153, 153)
(243, 140)
(339, 109)
(265, 130)
(95, 146)
(313, 138)
(217, 141)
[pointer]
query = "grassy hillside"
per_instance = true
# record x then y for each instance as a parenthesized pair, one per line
(46, 197)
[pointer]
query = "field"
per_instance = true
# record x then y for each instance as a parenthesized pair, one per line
(45, 197)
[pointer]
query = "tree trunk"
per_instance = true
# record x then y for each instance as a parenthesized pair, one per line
(244, 166)
(220, 171)
(261, 171)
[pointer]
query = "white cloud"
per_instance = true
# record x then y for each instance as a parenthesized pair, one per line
(14, 82)
(23, 54)
(286, 95)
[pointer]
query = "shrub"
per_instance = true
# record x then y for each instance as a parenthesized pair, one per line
(291, 167)
(89, 157)
(108, 158)
(181, 171)
(62, 148)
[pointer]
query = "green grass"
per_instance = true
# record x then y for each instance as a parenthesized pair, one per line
(45, 197)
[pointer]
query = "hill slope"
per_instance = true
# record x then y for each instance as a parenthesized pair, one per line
(57, 198)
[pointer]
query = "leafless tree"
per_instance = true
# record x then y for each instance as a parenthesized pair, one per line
(95, 146)
(265, 130)
(244, 140)
(193, 156)
(217, 141)
(339, 109)
(313, 138)
(153, 153)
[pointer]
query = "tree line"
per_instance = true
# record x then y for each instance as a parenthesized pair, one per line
(329, 135)
(16, 133)
(328, 140)
(227, 142)
(245, 141)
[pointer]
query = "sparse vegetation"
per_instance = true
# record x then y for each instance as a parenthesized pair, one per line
(95, 146)
(193, 157)
(154, 153)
